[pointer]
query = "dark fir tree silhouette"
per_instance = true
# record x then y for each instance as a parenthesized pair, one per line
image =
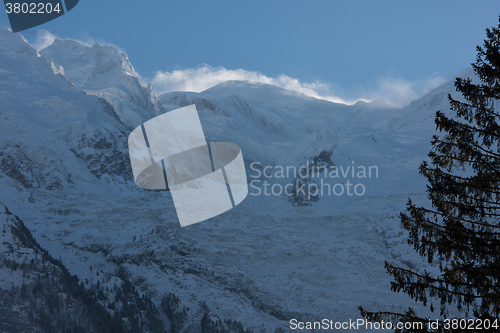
(461, 231)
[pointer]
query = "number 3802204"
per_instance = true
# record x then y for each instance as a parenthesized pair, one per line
(32, 8)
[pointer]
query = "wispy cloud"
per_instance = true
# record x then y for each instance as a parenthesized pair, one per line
(43, 39)
(401, 92)
(396, 91)
(204, 77)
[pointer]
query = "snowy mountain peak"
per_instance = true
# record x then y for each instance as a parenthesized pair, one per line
(378, 103)
(105, 71)
(109, 58)
(70, 45)
(98, 66)
(255, 90)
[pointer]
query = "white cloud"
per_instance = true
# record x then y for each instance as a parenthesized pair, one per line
(43, 39)
(204, 77)
(399, 92)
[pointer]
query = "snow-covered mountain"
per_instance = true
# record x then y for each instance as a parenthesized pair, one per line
(276, 126)
(53, 135)
(105, 71)
(39, 294)
(65, 116)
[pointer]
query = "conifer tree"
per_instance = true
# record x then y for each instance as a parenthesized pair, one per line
(461, 229)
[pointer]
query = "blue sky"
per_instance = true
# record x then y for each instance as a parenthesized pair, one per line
(396, 50)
